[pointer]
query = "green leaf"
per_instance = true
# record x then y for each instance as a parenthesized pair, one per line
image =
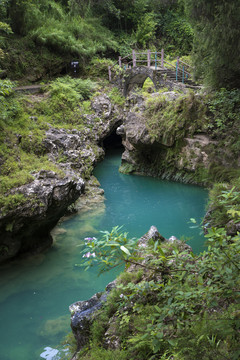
(125, 250)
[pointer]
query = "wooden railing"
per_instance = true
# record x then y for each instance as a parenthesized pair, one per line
(152, 59)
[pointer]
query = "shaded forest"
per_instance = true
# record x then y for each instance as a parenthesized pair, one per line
(39, 38)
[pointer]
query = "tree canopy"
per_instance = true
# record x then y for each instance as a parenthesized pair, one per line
(83, 28)
(216, 40)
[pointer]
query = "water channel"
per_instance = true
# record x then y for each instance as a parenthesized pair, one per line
(36, 292)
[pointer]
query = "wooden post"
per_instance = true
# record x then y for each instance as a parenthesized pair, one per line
(134, 57)
(162, 58)
(120, 61)
(183, 74)
(149, 58)
(109, 73)
(155, 60)
(177, 65)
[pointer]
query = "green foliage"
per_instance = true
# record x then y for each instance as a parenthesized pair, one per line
(99, 354)
(173, 120)
(224, 199)
(5, 28)
(181, 307)
(77, 36)
(46, 27)
(179, 32)
(82, 8)
(146, 29)
(99, 67)
(71, 90)
(225, 106)
(6, 88)
(10, 202)
(110, 249)
(116, 96)
(217, 41)
(66, 102)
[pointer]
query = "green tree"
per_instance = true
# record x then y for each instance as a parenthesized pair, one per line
(216, 40)
(80, 7)
(146, 29)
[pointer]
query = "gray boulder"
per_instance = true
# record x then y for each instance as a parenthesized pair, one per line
(27, 226)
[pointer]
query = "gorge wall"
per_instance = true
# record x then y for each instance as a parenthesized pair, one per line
(170, 135)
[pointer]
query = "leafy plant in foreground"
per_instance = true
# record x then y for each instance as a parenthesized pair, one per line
(113, 250)
(182, 306)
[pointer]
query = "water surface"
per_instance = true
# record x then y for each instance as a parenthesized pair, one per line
(36, 292)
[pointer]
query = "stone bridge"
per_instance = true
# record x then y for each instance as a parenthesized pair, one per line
(130, 72)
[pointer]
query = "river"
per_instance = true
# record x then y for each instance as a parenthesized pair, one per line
(36, 291)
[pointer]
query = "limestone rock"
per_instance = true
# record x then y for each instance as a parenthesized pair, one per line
(82, 314)
(232, 228)
(111, 340)
(71, 150)
(195, 152)
(151, 234)
(181, 244)
(102, 106)
(27, 227)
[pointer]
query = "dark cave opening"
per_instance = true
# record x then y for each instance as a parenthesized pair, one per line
(112, 141)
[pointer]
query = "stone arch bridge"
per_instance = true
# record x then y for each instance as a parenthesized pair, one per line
(132, 71)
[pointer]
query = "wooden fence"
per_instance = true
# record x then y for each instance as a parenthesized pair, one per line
(154, 60)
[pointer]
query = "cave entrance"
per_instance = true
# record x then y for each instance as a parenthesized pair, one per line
(112, 141)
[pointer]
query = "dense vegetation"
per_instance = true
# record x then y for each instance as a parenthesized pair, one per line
(40, 38)
(182, 306)
(169, 303)
(63, 103)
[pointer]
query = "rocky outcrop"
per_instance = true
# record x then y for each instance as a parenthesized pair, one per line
(82, 315)
(26, 225)
(175, 154)
(45, 200)
(195, 152)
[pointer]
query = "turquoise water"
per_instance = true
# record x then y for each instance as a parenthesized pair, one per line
(36, 292)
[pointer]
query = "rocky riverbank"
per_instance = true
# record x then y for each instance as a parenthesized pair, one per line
(46, 198)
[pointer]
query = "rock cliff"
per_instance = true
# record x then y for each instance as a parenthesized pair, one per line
(170, 136)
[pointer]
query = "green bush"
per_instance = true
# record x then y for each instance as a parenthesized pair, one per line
(6, 87)
(75, 35)
(224, 200)
(71, 90)
(99, 67)
(146, 29)
(184, 306)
